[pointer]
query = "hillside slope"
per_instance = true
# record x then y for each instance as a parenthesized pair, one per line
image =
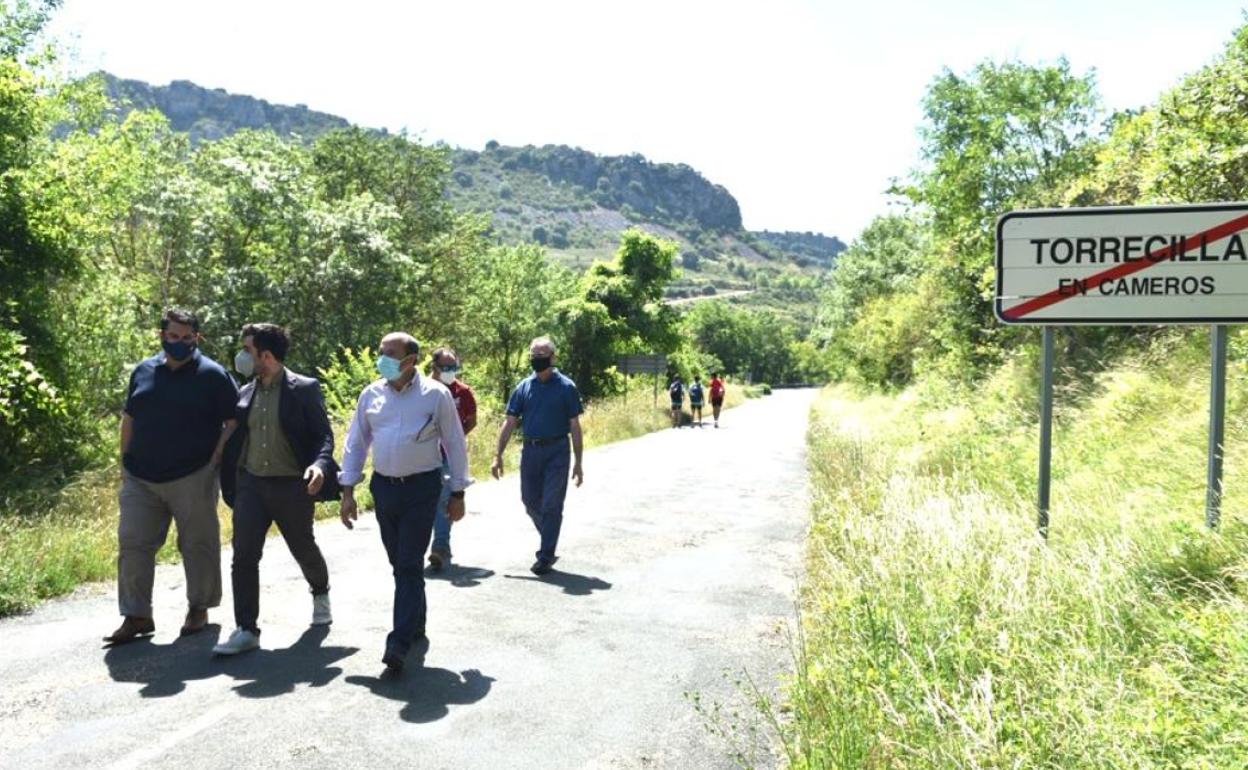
(572, 201)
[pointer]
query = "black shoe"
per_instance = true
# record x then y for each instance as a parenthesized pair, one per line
(541, 567)
(393, 661)
(439, 559)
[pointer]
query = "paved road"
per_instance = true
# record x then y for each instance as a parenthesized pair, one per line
(680, 559)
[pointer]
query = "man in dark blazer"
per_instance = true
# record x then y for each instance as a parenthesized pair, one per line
(279, 461)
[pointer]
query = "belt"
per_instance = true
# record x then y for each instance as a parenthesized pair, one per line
(544, 441)
(404, 479)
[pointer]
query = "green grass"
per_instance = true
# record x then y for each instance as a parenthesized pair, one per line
(66, 537)
(939, 631)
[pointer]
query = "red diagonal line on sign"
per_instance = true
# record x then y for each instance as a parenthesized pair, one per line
(1164, 254)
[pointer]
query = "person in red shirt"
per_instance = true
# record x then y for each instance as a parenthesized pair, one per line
(445, 368)
(717, 396)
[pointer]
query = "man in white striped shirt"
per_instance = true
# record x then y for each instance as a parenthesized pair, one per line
(405, 418)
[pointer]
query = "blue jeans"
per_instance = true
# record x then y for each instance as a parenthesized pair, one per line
(543, 485)
(442, 522)
(405, 513)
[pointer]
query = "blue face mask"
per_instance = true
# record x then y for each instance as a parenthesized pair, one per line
(390, 368)
(179, 350)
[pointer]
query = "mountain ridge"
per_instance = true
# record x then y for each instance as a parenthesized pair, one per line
(573, 201)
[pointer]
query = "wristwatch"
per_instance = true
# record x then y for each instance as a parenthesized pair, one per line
(458, 495)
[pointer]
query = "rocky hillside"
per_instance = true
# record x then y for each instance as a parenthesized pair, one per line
(211, 113)
(574, 202)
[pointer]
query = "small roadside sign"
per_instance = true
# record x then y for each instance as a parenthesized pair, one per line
(1123, 265)
(643, 364)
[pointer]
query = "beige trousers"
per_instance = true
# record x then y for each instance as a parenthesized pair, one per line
(147, 508)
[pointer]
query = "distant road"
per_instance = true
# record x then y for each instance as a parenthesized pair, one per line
(680, 559)
(718, 295)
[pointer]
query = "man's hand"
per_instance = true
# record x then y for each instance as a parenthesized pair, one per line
(578, 474)
(348, 511)
(496, 470)
(315, 478)
(455, 508)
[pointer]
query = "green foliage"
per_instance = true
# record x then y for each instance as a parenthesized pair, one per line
(619, 310)
(345, 378)
(939, 631)
(515, 298)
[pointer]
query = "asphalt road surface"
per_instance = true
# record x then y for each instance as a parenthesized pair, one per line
(680, 558)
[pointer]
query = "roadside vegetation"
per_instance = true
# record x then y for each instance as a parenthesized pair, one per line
(938, 629)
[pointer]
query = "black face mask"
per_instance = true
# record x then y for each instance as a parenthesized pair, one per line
(179, 350)
(540, 363)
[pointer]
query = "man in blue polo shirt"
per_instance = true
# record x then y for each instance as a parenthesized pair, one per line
(547, 407)
(179, 413)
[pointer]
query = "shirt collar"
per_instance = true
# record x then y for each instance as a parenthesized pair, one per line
(412, 382)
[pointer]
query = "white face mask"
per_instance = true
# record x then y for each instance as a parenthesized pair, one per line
(244, 364)
(446, 377)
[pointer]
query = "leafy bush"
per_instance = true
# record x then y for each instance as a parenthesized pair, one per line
(345, 378)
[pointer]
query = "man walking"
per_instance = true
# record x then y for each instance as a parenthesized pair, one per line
(276, 465)
(695, 401)
(445, 369)
(717, 396)
(547, 407)
(179, 413)
(406, 419)
(677, 391)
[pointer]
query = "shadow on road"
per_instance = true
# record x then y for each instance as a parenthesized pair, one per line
(571, 583)
(164, 669)
(276, 672)
(428, 693)
(460, 576)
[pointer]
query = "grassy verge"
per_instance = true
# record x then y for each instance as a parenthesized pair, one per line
(69, 536)
(940, 632)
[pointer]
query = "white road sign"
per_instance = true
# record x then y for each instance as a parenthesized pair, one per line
(1124, 265)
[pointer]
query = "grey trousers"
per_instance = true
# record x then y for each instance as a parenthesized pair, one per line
(147, 508)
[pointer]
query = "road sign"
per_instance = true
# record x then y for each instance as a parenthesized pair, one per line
(1124, 265)
(643, 364)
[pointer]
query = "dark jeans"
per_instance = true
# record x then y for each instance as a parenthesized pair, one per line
(543, 485)
(260, 502)
(405, 512)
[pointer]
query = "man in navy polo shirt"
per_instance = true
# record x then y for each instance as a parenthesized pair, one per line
(179, 413)
(547, 406)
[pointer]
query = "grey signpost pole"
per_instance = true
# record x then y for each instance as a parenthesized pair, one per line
(1217, 427)
(1046, 429)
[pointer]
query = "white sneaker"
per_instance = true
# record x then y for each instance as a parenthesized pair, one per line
(241, 640)
(321, 615)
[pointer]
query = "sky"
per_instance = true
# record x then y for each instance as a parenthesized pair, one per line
(804, 111)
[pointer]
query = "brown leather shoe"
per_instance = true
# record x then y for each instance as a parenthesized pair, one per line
(196, 619)
(130, 629)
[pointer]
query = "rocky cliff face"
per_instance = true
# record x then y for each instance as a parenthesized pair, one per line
(665, 192)
(209, 114)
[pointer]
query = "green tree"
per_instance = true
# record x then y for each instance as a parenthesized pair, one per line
(1003, 136)
(620, 310)
(513, 299)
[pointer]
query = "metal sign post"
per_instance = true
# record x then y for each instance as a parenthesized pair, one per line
(1046, 430)
(645, 363)
(1217, 427)
(1126, 265)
